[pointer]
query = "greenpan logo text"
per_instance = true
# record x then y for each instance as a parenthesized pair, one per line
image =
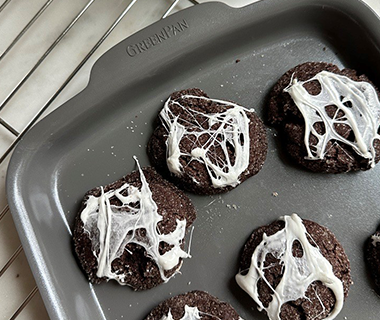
(165, 33)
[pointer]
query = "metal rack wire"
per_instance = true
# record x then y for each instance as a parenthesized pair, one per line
(18, 135)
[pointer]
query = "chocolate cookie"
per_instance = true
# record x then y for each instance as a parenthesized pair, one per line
(132, 230)
(372, 257)
(328, 118)
(295, 269)
(207, 146)
(199, 304)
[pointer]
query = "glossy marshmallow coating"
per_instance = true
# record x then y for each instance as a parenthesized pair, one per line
(357, 100)
(191, 313)
(113, 227)
(299, 272)
(230, 127)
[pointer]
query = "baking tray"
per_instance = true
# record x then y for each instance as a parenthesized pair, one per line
(90, 141)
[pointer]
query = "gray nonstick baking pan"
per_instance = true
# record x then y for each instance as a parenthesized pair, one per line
(235, 54)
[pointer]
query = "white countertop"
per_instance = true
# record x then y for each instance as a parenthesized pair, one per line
(17, 282)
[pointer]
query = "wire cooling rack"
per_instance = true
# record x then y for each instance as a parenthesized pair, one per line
(53, 26)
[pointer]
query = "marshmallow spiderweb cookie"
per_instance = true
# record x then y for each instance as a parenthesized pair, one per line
(329, 118)
(207, 146)
(295, 269)
(372, 258)
(133, 230)
(194, 305)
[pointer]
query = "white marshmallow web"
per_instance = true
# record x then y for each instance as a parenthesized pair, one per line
(112, 227)
(375, 239)
(191, 313)
(225, 129)
(298, 272)
(359, 103)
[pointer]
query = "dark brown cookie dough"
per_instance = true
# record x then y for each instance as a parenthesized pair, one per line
(284, 114)
(210, 307)
(372, 257)
(140, 271)
(317, 292)
(194, 176)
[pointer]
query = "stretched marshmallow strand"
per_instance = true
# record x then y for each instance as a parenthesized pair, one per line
(113, 227)
(299, 273)
(230, 127)
(358, 101)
